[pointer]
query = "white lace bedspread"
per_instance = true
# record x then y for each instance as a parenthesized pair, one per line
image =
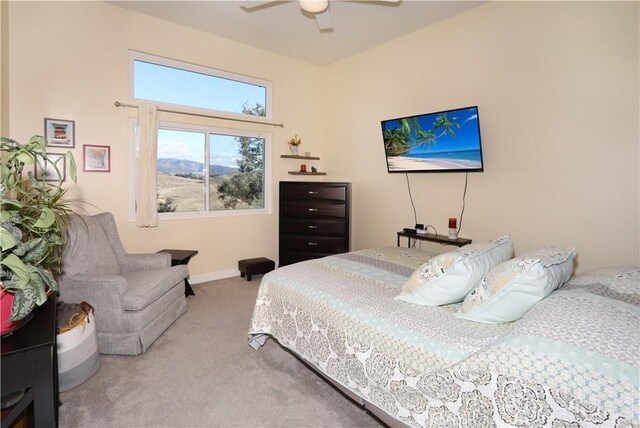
(572, 361)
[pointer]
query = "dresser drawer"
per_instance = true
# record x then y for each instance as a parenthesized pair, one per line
(312, 209)
(313, 227)
(310, 191)
(313, 244)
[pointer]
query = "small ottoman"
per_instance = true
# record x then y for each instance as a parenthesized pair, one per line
(259, 265)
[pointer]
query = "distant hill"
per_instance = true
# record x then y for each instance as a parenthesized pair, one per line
(172, 166)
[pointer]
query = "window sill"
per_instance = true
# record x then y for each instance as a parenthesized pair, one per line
(212, 214)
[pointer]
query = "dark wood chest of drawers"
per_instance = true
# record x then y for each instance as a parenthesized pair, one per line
(314, 220)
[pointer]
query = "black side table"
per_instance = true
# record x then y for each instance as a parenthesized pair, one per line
(182, 257)
(442, 239)
(30, 361)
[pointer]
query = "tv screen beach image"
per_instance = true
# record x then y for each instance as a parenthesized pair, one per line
(444, 141)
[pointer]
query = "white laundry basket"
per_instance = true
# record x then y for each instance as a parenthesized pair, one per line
(78, 354)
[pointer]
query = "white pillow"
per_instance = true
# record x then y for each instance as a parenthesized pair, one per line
(514, 287)
(448, 277)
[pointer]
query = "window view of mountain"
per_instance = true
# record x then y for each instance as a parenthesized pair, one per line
(170, 166)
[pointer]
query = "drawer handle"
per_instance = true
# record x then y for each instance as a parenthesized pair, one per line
(313, 210)
(311, 192)
(312, 243)
(312, 227)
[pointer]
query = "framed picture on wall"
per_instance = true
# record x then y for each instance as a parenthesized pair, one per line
(47, 171)
(96, 158)
(60, 133)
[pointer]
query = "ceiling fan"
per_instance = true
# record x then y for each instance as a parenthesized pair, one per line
(318, 8)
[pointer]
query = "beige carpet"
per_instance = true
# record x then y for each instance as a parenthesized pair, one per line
(202, 373)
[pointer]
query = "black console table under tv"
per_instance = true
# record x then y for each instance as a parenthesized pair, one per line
(441, 239)
(29, 362)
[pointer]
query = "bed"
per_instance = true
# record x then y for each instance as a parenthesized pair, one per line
(571, 361)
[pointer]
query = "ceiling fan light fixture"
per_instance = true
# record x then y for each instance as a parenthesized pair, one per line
(314, 6)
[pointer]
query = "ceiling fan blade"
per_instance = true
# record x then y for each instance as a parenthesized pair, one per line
(324, 21)
(257, 4)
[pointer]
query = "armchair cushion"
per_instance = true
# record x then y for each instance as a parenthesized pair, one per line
(145, 287)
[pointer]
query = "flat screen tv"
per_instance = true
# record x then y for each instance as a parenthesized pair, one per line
(445, 141)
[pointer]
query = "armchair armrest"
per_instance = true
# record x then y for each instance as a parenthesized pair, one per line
(103, 292)
(98, 290)
(145, 262)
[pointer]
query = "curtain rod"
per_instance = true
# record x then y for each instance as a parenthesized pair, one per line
(281, 125)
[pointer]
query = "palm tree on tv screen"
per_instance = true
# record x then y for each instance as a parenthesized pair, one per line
(401, 140)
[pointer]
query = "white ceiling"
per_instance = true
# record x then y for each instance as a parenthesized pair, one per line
(282, 27)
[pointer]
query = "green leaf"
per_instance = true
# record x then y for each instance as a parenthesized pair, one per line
(15, 264)
(4, 171)
(11, 202)
(5, 215)
(12, 284)
(72, 167)
(7, 240)
(47, 217)
(37, 248)
(48, 278)
(11, 181)
(13, 230)
(23, 303)
(21, 249)
(39, 143)
(55, 239)
(37, 285)
(25, 157)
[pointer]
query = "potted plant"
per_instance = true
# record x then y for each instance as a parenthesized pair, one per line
(33, 224)
(293, 144)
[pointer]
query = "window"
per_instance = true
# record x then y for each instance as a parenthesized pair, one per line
(177, 83)
(181, 171)
(204, 170)
(211, 171)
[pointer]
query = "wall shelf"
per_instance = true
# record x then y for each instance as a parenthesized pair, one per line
(306, 173)
(299, 157)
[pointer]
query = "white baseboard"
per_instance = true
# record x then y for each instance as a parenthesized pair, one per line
(212, 276)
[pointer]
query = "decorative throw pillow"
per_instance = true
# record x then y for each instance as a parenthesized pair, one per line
(513, 287)
(448, 277)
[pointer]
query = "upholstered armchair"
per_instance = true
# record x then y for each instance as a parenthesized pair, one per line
(136, 297)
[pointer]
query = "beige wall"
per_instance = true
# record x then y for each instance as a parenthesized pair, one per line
(557, 90)
(4, 68)
(69, 61)
(556, 84)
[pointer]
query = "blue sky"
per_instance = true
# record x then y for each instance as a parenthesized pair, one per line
(466, 136)
(171, 85)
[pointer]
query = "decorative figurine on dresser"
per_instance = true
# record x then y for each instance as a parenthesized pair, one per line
(314, 220)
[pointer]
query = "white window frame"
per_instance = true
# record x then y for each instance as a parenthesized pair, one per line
(153, 59)
(207, 130)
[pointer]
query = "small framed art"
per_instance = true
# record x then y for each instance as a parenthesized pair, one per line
(96, 158)
(60, 133)
(47, 171)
